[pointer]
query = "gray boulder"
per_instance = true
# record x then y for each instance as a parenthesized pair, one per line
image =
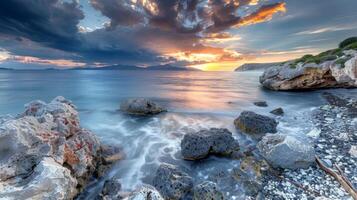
(207, 191)
(287, 151)
(277, 111)
(140, 106)
(145, 192)
(216, 141)
(261, 104)
(255, 124)
(172, 183)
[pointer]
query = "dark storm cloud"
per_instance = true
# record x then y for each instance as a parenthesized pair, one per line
(49, 22)
(140, 31)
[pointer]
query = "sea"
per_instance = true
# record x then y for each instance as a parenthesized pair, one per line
(195, 100)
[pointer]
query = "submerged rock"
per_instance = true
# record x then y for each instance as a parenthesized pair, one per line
(278, 111)
(255, 124)
(329, 74)
(217, 141)
(207, 191)
(172, 183)
(46, 149)
(141, 106)
(146, 192)
(287, 151)
(249, 175)
(261, 104)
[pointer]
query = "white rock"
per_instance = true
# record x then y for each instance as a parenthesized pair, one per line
(49, 180)
(353, 151)
(314, 133)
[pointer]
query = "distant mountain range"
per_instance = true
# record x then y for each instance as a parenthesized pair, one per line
(2, 68)
(127, 67)
(255, 66)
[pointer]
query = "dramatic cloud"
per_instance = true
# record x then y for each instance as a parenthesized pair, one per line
(139, 32)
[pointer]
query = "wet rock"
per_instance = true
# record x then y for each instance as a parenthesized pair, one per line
(48, 180)
(43, 142)
(146, 192)
(287, 151)
(207, 191)
(261, 104)
(172, 183)
(141, 106)
(111, 154)
(334, 100)
(255, 124)
(278, 111)
(111, 190)
(249, 175)
(215, 141)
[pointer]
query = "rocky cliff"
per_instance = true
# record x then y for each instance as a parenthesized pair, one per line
(314, 72)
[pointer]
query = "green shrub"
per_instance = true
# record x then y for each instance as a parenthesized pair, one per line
(347, 42)
(351, 46)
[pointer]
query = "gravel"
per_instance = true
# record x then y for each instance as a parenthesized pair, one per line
(335, 135)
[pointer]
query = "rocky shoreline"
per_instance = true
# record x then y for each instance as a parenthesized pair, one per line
(46, 154)
(335, 142)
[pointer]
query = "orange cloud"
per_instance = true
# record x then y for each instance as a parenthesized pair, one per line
(263, 14)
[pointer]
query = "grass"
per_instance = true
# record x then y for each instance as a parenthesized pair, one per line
(329, 55)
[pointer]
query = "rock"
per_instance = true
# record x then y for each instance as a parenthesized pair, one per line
(207, 191)
(255, 124)
(145, 192)
(43, 142)
(278, 111)
(111, 190)
(287, 151)
(48, 180)
(111, 154)
(172, 183)
(328, 74)
(81, 153)
(249, 175)
(314, 133)
(353, 151)
(140, 106)
(215, 141)
(261, 104)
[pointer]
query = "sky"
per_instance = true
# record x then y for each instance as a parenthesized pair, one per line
(211, 35)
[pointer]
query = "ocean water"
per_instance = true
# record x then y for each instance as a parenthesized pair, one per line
(195, 100)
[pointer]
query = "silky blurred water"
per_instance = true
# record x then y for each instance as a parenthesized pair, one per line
(195, 100)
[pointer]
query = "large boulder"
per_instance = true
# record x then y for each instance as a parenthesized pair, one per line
(207, 191)
(287, 151)
(172, 183)
(43, 142)
(254, 124)
(341, 72)
(217, 141)
(141, 106)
